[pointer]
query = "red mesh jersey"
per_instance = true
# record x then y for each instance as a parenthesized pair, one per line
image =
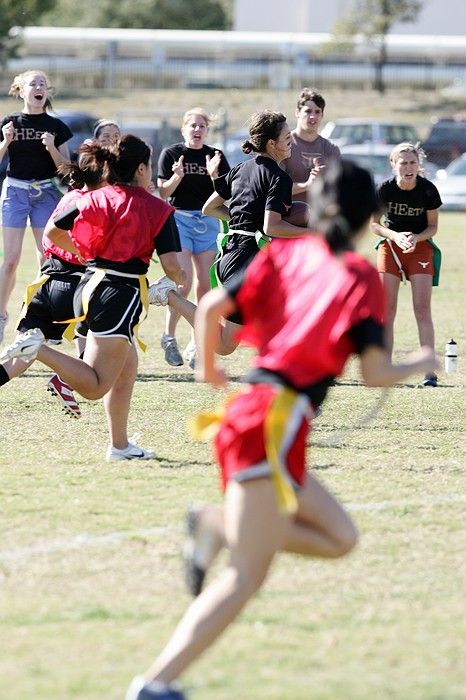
(298, 302)
(119, 223)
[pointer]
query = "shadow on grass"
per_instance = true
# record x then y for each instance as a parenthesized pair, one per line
(167, 463)
(178, 378)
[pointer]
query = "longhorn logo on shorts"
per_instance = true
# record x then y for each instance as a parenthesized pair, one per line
(423, 264)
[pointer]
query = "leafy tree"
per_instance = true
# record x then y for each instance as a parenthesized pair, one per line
(373, 19)
(148, 14)
(18, 14)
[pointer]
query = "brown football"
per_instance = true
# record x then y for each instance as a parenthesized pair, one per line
(298, 214)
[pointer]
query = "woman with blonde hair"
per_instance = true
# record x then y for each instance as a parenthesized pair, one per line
(185, 174)
(35, 143)
(410, 205)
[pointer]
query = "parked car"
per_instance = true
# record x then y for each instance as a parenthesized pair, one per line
(451, 184)
(232, 147)
(375, 157)
(446, 140)
(343, 132)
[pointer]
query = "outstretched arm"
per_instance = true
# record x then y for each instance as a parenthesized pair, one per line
(378, 370)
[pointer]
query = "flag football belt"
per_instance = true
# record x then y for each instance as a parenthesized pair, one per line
(198, 217)
(98, 274)
(287, 409)
(222, 239)
(37, 185)
(31, 291)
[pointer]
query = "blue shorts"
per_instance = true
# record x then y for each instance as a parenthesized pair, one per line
(197, 232)
(27, 201)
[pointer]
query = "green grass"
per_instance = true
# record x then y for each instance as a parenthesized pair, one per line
(83, 610)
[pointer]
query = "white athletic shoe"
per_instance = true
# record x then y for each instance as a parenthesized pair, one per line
(158, 291)
(26, 346)
(131, 451)
(189, 354)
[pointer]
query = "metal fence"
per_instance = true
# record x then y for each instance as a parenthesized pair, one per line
(112, 72)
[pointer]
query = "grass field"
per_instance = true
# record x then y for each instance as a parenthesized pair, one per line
(90, 583)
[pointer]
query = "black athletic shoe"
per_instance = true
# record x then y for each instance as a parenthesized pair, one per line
(194, 575)
(430, 380)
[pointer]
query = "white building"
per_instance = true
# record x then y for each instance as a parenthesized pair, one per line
(436, 16)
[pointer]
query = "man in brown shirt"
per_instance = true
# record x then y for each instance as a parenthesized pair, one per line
(309, 151)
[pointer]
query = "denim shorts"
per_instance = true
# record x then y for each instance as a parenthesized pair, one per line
(27, 201)
(197, 232)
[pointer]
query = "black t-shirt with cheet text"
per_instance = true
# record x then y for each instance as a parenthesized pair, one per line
(29, 159)
(406, 210)
(196, 186)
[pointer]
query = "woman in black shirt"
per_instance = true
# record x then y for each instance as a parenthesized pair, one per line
(185, 173)
(260, 197)
(36, 145)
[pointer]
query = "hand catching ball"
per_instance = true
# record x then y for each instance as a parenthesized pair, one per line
(299, 214)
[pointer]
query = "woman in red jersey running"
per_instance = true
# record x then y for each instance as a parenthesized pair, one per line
(306, 304)
(115, 229)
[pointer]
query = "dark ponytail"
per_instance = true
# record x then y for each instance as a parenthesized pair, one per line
(263, 126)
(94, 165)
(132, 151)
(343, 199)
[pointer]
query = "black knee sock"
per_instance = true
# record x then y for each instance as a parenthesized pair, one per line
(4, 377)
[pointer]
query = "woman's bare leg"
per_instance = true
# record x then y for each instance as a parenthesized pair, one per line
(12, 247)
(38, 234)
(255, 531)
(92, 377)
(421, 290)
(118, 399)
(187, 309)
(321, 527)
(173, 314)
(391, 285)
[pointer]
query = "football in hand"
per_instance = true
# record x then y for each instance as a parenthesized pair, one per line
(299, 214)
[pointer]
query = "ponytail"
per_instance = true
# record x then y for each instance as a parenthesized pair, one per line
(95, 164)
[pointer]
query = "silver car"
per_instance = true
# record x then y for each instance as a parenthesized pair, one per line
(375, 157)
(451, 184)
(343, 132)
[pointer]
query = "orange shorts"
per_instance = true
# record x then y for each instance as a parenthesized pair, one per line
(419, 262)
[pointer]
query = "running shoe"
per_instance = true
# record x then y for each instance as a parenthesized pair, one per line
(64, 394)
(3, 322)
(131, 451)
(158, 291)
(201, 547)
(430, 380)
(25, 347)
(172, 353)
(140, 690)
(189, 354)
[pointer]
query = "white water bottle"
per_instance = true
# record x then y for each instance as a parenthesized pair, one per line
(451, 356)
